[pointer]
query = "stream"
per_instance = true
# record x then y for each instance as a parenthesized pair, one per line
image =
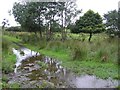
(34, 70)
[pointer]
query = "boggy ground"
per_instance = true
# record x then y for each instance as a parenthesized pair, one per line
(98, 58)
(39, 71)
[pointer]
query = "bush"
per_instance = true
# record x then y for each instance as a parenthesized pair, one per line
(15, 29)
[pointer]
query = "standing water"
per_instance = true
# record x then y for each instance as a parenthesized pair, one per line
(38, 71)
(22, 54)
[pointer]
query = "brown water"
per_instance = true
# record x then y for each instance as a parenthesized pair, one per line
(35, 71)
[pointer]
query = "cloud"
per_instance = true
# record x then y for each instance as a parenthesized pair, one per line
(100, 6)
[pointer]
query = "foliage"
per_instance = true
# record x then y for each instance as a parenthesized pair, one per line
(79, 53)
(5, 23)
(90, 22)
(45, 16)
(5, 45)
(18, 29)
(43, 65)
(7, 57)
(55, 46)
(111, 22)
(13, 85)
(28, 15)
(92, 61)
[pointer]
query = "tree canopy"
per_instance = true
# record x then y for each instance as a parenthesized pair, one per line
(111, 21)
(90, 22)
(33, 16)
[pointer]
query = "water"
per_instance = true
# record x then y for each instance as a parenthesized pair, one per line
(35, 70)
(26, 53)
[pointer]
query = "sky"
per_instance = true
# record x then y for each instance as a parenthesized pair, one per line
(100, 6)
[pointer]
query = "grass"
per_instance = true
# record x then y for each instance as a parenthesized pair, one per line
(7, 56)
(11, 39)
(8, 61)
(89, 67)
(102, 70)
(98, 57)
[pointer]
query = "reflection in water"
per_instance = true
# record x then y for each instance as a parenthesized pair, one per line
(33, 69)
(27, 53)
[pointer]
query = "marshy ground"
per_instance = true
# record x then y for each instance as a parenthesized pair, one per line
(95, 61)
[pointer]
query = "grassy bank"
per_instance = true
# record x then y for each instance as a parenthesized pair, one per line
(98, 57)
(8, 61)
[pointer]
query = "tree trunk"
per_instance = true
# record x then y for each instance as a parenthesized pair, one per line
(40, 34)
(63, 32)
(90, 36)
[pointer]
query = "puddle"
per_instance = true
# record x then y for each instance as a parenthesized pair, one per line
(22, 54)
(87, 81)
(34, 70)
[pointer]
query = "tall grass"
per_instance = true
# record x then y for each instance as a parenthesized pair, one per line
(102, 48)
(8, 59)
(5, 45)
(98, 57)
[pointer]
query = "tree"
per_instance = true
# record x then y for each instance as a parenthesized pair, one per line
(111, 21)
(30, 15)
(67, 11)
(33, 16)
(90, 22)
(50, 16)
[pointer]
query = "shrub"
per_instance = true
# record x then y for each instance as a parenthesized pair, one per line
(16, 29)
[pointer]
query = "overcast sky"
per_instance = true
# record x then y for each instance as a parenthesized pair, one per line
(100, 6)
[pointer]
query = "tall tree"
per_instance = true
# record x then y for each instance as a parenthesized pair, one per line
(90, 22)
(30, 15)
(68, 11)
(34, 15)
(50, 16)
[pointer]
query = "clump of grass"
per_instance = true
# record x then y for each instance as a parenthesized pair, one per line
(4, 78)
(8, 62)
(102, 55)
(43, 65)
(13, 85)
(56, 46)
(42, 44)
(5, 45)
(79, 52)
(46, 84)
